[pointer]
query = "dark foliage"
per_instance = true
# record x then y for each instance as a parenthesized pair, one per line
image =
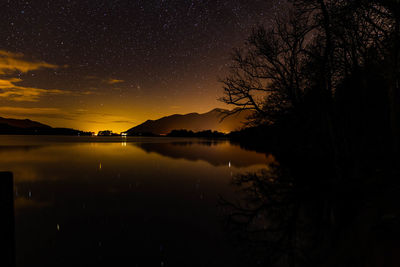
(203, 134)
(323, 81)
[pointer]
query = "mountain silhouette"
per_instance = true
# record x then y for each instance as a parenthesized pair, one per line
(192, 122)
(21, 124)
(29, 127)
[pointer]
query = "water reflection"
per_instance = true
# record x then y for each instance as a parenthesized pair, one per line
(7, 239)
(264, 218)
(277, 221)
(215, 153)
(88, 201)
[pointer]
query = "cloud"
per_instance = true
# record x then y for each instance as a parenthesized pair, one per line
(123, 121)
(41, 112)
(11, 91)
(97, 81)
(113, 81)
(33, 111)
(12, 62)
(22, 112)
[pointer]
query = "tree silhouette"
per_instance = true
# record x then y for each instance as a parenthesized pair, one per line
(266, 75)
(323, 82)
(310, 61)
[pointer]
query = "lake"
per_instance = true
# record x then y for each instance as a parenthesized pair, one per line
(110, 200)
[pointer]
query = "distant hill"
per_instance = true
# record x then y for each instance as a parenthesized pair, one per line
(28, 127)
(193, 121)
(24, 124)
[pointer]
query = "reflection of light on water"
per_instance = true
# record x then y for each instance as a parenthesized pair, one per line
(100, 166)
(123, 144)
(58, 227)
(229, 164)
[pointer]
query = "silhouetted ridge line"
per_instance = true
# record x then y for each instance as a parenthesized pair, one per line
(192, 122)
(29, 127)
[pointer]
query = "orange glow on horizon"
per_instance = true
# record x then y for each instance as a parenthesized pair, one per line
(89, 121)
(102, 103)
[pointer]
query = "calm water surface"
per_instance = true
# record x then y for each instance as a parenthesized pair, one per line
(143, 201)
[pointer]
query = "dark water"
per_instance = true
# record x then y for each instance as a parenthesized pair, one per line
(143, 201)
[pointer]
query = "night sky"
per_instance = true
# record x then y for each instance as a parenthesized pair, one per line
(112, 64)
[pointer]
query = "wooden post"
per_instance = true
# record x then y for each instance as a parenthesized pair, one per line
(7, 235)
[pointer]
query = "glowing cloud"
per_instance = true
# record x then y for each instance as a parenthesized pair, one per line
(11, 91)
(29, 111)
(114, 81)
(15, 62)
(11, 62)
